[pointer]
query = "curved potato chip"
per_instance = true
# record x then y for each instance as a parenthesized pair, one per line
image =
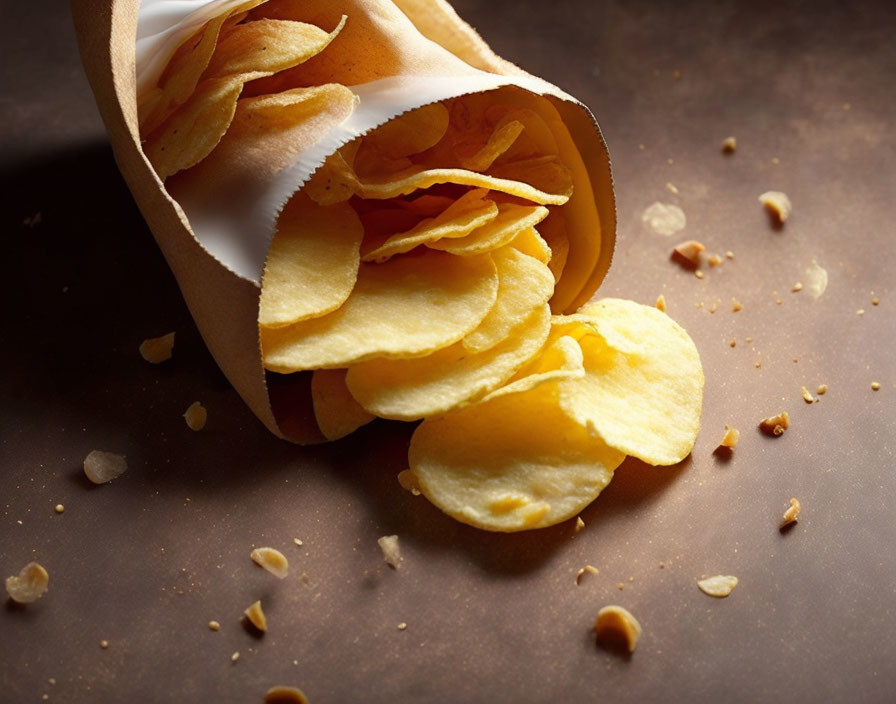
(646, 403)
(312, 264)
(544, 173)
(530, 242)
(469, 212)
(498, 142)
(408, 389)
(513, 463)
(336, 411)
(553, 231)
(426, 205)
(560, 359)
(407, 307)
(578, 325)
(510, 221)
(409, 133)
(524, 284)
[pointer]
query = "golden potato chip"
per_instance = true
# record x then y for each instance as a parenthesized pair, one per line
(530, 242)
(553, 231)
(512, 463)
(560, 358)
(544, 173)
(408, 307)
(426, 205)
(498, 142)
(337, 412)
(524, 284)
(410, 133)
(312, 264)
(408, 389)
(536, 139)
(578, 325)
(469, 212)
(644, 403)
(511, 220)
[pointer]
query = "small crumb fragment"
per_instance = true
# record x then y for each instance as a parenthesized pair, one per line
(579, 524)
(731, 437)
(777, 204)
(59, 508)
(662, 565)
(29, 585)
(620, 586)
(822, 389)
(688, 253)
(758, 364)
(214, 626)
(736, 306)
(875, 302)
(797, 287)
(272, 560)
(732, 343)
(718, 586)
(235, 656)
(402, 626)
(587, 569)
(729, 145)
(256, 616)
(285, 695)
(699, 274)
(714, 306)
(616, 628)
(775, 425)
(408, 481)
(860, 311)
(196, 416)
(676, 74)
(671, 187)
(807, 396)
(391, 552)
(748, 339)
(156, 350)
(875, 385)
(776, 160)
(792, 513)
(660, 303)
(298, 542)
(713, 260)
(729, 254)
(104, 644)
(102, 467)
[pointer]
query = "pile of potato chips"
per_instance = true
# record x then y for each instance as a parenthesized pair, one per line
(417, 275)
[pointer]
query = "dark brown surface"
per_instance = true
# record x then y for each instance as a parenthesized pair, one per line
(148, 560)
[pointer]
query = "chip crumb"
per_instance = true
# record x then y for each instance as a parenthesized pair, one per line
(298, 542)
(777, 204)
(875, 301)
(699, 274)
(822, 389)
(758, 364)
(620, 586)
(775, 160)
(736, 306)
(729, 254)
(29, 585)
(860, 311)
(676, 74)
(587, 569)
(102, 467)
(402, 626)
(616, 628)
(662, 565)
(748, 339)
(688, 253)
(797, 287)
(104, 644)
(256, 616)
(408, 481)
(579, 524)
(272, 560)
(285, 695)
(714, 306)
(671, 187)
(732, 343)
(875, 385)
(731, 437)
(807, 396)
(196, 416)
(156, 350)
(660, 303)
(713, 260)
(391, 552)
(59, 508)
(792, 513)
(729, 145)
(775, 425)
(235, 656)
(214, 626)
(718, 586)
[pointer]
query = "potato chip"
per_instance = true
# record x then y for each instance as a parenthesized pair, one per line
(337, 412)
(410, 133)
(408, 389)
(469, 212)
(426, 205)
(553, 231)
(498, 142)
(544, 173)
(408, 307)
(561, 358)
(312, 264)
(511, 220)
(645, 403)
(524, 284)
(536, 139)
(530, 242)
(512, 463)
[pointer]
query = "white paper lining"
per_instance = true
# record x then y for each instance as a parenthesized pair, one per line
(236, 226)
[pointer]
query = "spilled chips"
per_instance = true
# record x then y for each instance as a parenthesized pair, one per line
(429, 269)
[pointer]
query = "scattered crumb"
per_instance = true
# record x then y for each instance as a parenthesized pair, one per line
(796, 360)
(776, 160)
(732, 343)
(391, 552)
(156, 350)
(104, 644)
(670, 161)
(620, 586)
(671, 188)
(748, 339)
(688, 253)
(617, 628)
(775, 425)
(847, 106)
(402, 626)
(102, 467)
(822, 389)
(792, 513)
(641, 147)
(875, 302)
(664, 218)
(579, 524)
(718, 586)
(59, 508)
(736, 306)
(729, 145)
(214, 626)
(235, 656)
(807, 396)
(408, 481)
(699, 274)
(797, 287)
(729, 254)
(758, 364)
(875, 385)
(298, 542)
(256, 616)
(587, 569)
(731, 437)
(662, 565)
(272, 560)
(713, 260)
(661, 303)
(676, 74)
(714, 306)
(777, 204)
(285, 695)
(196, 416)
(631, 579)
(860, 311)
(29, 585)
